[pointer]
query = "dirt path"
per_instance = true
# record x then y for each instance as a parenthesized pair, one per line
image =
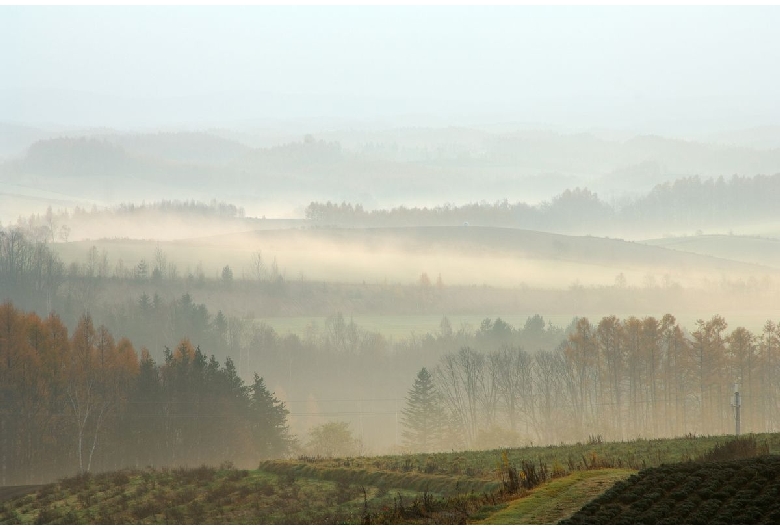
(11, 492)
(559, 499)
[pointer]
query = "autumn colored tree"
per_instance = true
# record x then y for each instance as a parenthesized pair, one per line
(742, 364)
(651, 359)
(511, 369)
(709, 350)
(769, 355)
(610, 337)
(580, 352)
(677, 367)
(97, 379)
(632, 328)
(462, 380)
(86, 402)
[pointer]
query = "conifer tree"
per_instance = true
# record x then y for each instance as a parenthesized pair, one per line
(423, 416)
(269, 421)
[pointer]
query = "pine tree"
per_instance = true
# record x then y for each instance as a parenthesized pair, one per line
(423, 417)
(269, 422)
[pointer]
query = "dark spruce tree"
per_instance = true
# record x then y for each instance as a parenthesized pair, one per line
(423, 416)
(269, 422)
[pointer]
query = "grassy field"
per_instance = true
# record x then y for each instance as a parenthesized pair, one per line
(440, 488)
(482, 465)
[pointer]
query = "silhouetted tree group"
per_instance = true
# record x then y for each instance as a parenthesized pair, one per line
(676, 205)
(620, 379)
(86, 402)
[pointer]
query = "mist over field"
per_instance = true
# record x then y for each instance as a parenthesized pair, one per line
(566, 217)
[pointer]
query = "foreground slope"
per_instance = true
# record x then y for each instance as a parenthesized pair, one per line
(440, 488)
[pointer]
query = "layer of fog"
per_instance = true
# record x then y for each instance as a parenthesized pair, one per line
(460, 255)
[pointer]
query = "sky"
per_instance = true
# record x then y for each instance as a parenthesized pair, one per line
(623, 66)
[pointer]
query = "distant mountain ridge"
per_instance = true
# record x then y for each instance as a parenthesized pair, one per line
(591, 159)
(378, 169)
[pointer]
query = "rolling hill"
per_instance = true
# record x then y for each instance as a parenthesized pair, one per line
(472, 255)
(755, 250)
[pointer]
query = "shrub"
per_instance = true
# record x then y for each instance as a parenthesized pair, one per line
(70, 518)
(595, 439)
(120, 479)
(82, 480)
(236, 475)
(741, 447)
(47, 516)
(266, 489)
(146, 509)
(12, 518)
(196, 475)
(222, 491)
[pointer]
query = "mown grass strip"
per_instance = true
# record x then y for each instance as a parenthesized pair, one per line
(558, 499)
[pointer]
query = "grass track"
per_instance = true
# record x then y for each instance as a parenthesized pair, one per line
(558, 499)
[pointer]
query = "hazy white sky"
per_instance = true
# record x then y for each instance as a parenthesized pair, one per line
(573, 62)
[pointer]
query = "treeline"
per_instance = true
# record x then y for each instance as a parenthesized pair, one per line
(211, 209)
(506, 385)
(85, 402)
(679, 205)
(325, 358)
(36, 278)
(56, 226)
(29, 269)
(618, 379)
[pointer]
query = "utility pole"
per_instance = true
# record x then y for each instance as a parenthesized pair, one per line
(736, 402)
(5, 446)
